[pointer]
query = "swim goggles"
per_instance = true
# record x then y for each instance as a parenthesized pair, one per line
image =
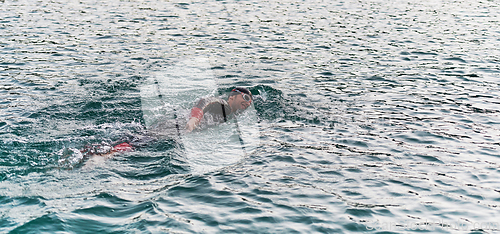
(245, 96)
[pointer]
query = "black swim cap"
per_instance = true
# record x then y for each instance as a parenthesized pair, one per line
(241, 89)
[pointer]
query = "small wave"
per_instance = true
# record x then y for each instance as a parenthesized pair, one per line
(69, 158)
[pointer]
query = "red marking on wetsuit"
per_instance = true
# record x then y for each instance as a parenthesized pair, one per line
(197, 113)
(123, 147)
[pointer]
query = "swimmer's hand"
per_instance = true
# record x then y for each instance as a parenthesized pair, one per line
(192, 123)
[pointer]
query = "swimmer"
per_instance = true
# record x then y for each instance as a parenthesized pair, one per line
(219, 109)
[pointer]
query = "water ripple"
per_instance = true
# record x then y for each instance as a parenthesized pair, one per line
(379, 117)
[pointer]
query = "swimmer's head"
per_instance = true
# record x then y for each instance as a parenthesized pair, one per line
(239, 99)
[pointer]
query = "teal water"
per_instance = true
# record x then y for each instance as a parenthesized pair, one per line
(381, 116)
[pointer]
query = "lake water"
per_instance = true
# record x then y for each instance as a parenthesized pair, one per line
(381, 116)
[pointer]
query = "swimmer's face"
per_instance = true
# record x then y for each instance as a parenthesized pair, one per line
(239, 103)
(243, 103)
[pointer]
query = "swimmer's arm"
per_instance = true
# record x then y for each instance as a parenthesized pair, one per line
(192, 124)
(198, 111)
(196, 115)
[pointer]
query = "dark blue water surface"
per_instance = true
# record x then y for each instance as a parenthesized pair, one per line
(381, 116)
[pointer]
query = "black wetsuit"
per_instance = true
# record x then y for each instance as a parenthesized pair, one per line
(211, 110)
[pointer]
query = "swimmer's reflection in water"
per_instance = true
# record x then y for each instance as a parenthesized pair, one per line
(207, 111)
